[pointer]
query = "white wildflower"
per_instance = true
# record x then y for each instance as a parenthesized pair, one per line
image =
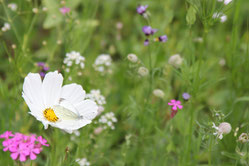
(158, 93)
(12, 6)
(102, 63)
(74, 58)
(64, 107)
(98, 130)
(222, 62)
(6, 27)
(132, 58)
(226, 2)
(35, 10)
(175, 60)
(244, 137)
(222, 17)
(82, 162)
(223, 128)
(108, 120)
(143, 71)
(96, 96)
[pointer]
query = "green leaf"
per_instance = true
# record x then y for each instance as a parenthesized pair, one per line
(191, 16)
(244, 98)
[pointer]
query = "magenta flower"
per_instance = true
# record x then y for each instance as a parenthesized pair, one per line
(22, 146)
(175, 104)
(64, 10)
(21, 151)
(141, 9)
(146, 42)
(6, 135)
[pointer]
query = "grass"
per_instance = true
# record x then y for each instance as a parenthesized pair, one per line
(144, 134)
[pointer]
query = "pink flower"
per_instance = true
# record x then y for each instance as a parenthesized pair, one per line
(175, 104)
(6, 135)
(64, 10)
(42, 141)
(21, 151)
(23, 146)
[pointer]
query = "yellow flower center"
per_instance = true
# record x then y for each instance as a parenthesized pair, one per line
(50, 115)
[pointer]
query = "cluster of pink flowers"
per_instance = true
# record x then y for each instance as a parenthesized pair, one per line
(22, 146)
(175, 105)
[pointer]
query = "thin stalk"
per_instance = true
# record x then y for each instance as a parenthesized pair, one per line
(210, 151)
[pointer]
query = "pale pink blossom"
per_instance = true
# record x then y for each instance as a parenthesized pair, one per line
(64, 10)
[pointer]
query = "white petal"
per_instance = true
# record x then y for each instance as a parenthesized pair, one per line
(87, 108)
(32, 92)
(74, 93)
(51, 87)
(71, 124)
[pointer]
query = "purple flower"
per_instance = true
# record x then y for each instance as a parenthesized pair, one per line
(141, 9)
(45, 68)
(148, 30)
(42, 74)
(163, 38)
(186, 96)
(40, 64)
(146, 42)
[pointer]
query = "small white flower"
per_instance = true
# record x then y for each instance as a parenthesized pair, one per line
(74, 58)
(223, 128)
(82, 162)
(96, 96)
(60, 106)
(132, 58)
(226, 2)
(222, 62)
(35, 10)
(143, 71)
(223, 18)
(198, 39)
(98, 130)
(12, 6)
(158, 93)
(108, 120)
(175, 60)
(102, 63)
(243, 138)
(6, 27)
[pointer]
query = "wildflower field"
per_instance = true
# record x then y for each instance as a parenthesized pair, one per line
(124, 82)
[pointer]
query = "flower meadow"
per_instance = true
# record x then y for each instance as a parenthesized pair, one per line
(124, 82)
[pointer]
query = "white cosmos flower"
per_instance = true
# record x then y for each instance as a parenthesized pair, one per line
(60, 106)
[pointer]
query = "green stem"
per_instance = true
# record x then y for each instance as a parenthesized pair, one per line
(210, 152)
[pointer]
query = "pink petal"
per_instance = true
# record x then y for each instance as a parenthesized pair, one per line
(172, 101)
(32, 156)
(5, 149)
(14, 156)
(178, 102)
(174, 108)
(22, 158)
(170, 104)
(180, 106)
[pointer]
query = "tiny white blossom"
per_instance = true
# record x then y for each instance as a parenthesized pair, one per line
(74, 58)
(102, 63)
(6, 27)
(223, 128)
(175, 60)
(132, 58)
(12, 6)
(222, 62)
(108, 120)
(226, 2)
(35, 10)
(158, 93)
(244, 137)
(222, 17)
(143, 71)
(96, 96)
(82, 162)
